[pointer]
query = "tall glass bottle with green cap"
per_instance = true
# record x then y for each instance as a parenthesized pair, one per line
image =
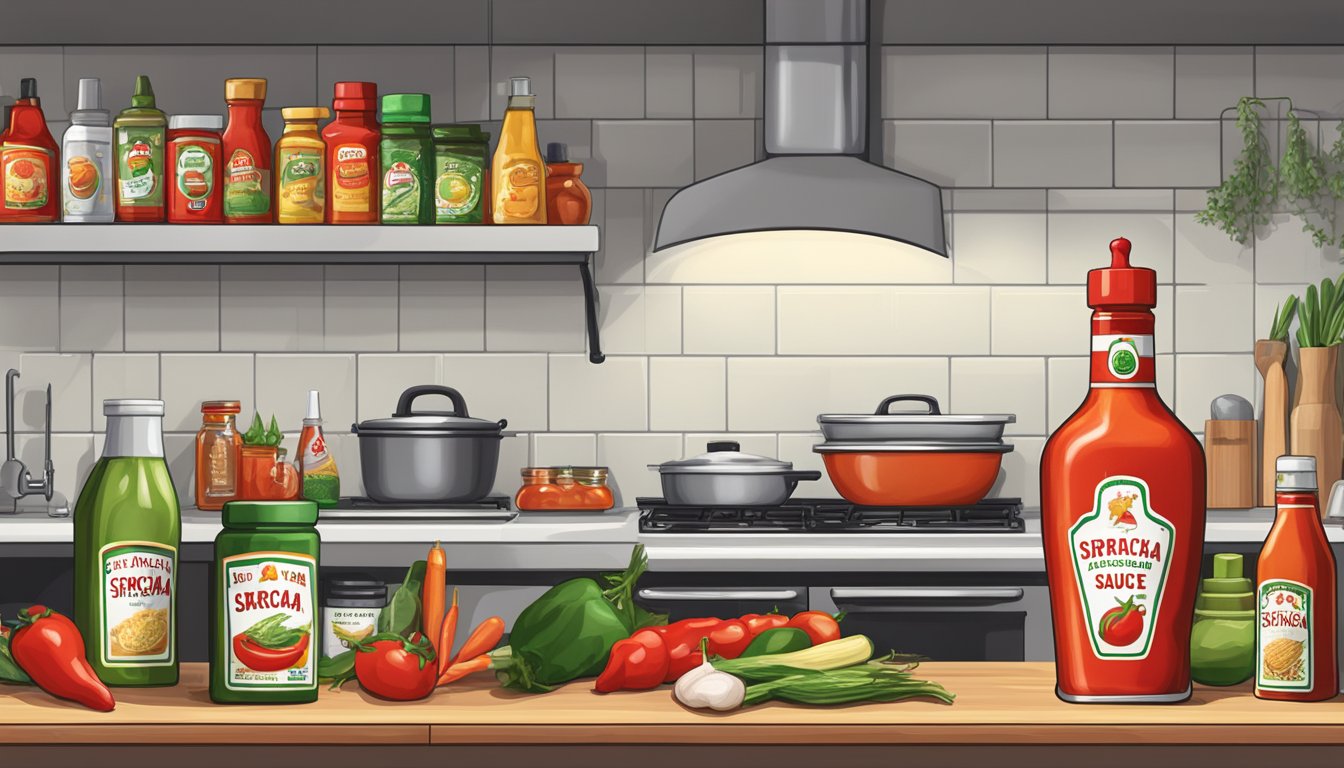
(141, 131)
(407, 152)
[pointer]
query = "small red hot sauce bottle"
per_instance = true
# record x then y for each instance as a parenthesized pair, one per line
(1122, 512)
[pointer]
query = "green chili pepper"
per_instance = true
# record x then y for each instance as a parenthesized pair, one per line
(401, 615)
(777, 640)
(10, 671)
(337, 669)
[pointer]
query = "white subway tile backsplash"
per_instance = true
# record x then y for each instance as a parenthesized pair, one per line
(535, 62)
(1214, 318)
(599, 82)
(857, 320)
(627, 457)
(283, 382)
(645, 153)
(728, 82)
(733, 320)
(1307, 74)
(1020, 473)
(1039, 320)
(72, 457)
(999, 248)
(624, 240)
(1285, 254)
(1066, 386)
(30, 308)
(92, 309)
(561, 450)
(1088, 82)
(995, 200)
(1054, 153)
(1210, 78)
(380, 380)
(612, 397)
(1170, 153)
(687, 393)
(172, 308)
(533, 309)
(395, 68)
(947, 153)
(766, 444)
(71, 380)
(271, 307)
(722, 145)
(114, 376)
(185, 380)
(514, 454)
(344, 448)
(1206, 255)
(360, 308)
(471, 83)
(961, 82)
(577, 136)
(1081, 241)
(46, 64)
(797, 448)
(669, 83)
(180, 453)
(637, 320)
(1268, 300)
(1090, 200)
(1001, 385)
(788, 393)
(442, 308)
(1201, 378)
(499, 386)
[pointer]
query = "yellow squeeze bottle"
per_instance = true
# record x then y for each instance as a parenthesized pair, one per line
(300, 164)
(517, 173)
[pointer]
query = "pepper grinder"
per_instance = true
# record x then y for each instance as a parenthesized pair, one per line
(1229, 446)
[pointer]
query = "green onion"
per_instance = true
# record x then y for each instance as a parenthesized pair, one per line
(863, 682)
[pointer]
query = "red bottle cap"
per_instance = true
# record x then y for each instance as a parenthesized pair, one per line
(356, 96)
(1120, 284)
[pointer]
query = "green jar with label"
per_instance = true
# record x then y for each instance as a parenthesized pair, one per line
(140, 132)
(460, 153)
(407, 152)
(263, 604)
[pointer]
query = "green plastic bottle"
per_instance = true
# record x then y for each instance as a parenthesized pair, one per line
(141, 135)
(127, 533)
(407, 151)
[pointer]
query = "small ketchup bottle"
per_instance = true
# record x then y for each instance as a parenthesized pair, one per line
(29, 162)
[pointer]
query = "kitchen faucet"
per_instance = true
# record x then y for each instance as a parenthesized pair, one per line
(15, 480)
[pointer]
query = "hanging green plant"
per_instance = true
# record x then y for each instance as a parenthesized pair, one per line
(1245, 200)
(1303, 184)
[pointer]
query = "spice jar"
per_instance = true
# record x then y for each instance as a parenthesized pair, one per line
(218, 453)
(568, 200)
(540, 490)
(591, 491)
(263, 598)
(195, 149)
(350, 608)
(459, 174)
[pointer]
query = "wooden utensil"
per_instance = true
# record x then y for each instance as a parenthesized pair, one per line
(1269, 360)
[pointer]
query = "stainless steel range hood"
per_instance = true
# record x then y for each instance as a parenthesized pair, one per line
(816, 115)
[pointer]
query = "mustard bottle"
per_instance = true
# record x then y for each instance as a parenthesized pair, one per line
(300, 163)
(517, 173)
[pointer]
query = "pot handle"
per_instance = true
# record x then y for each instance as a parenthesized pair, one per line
(408, 397)
(932, 402)
(798, 475)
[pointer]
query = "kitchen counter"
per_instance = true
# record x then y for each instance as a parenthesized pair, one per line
(1007, 704)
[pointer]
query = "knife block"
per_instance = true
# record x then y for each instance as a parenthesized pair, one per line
(1229, 450)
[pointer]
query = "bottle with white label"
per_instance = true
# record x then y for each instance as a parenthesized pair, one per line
(86, 151)
(127, 534)
(1122, 512)
(1295, 624)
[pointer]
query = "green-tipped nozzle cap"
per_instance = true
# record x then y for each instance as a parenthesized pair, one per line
(1229, 590)
(1227, 566)
(144, 92)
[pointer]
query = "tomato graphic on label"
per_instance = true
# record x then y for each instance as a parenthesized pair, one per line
(22, 169)
(1122, 624)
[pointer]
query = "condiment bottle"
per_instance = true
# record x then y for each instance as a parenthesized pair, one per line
(263, 604)
(127, 534)
(321, 480)
(195, 155)
(517, 175)
(459, 171)
(1122, 512)
(141, 133)
(247, 176)
(300, 157)
(1222, 643)
(87, 148)
(1295, 594)
(407, 155)
(218, 454)
(568, 200)
(352, 155)
(28, 161)
(350, 608)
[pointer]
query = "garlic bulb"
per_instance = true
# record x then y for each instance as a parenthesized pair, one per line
(707, 688)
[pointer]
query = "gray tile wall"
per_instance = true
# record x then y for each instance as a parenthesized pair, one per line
(1045, 153)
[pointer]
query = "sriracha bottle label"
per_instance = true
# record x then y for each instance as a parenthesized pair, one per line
(1283, 636)
(139, 625)
(268, 621)
(1121, 552)
(1123, 360)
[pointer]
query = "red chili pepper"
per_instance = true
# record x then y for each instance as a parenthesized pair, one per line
(637, 663)
(49, 648)
(683, 645)
(821, 627)
(760, 622)
(258, 657)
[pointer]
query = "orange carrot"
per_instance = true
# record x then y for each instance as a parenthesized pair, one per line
(446, 634)
(483, 639)
(431, 595)
(463, 668)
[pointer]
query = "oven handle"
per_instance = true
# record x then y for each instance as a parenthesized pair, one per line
(856, 598)
(718, 594)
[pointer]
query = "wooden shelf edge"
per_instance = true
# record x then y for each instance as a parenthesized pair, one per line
(230, 734)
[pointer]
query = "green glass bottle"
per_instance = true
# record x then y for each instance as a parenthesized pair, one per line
(128, 529)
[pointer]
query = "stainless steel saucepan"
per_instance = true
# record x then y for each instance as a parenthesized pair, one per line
(726, 477)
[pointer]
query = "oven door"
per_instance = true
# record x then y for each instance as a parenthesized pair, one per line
(724, 603)
(947, 623)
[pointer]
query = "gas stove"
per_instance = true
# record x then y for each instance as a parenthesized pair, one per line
(490, 509)
(1002, 515)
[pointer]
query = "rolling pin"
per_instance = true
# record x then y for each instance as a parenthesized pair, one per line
(1269, 360)
(1229, 446)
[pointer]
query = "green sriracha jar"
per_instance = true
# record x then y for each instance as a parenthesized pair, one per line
(263, 595)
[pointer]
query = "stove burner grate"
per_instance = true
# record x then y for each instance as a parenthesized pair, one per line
(831, 516)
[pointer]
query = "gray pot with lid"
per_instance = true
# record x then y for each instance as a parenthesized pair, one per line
(726, 477)
(928, 426)
(419, 456)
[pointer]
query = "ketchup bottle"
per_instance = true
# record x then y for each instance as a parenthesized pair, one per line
(248, 195)
(352, 155)
(29, 162)
(1122, 512)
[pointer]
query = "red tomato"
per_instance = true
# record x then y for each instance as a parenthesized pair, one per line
(760, 622)
(1122, 624)
(397, 669)
(820, 626)
(263, 659)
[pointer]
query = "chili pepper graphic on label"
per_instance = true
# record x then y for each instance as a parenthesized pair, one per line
(1123, 624)
(268, 573)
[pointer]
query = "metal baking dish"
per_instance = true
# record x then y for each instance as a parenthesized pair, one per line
(930, 426)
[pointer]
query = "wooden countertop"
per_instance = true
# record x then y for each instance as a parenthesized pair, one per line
(1004, 703)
